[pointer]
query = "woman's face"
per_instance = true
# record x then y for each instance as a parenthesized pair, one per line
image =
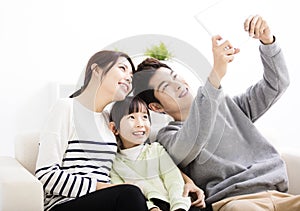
(118, 80)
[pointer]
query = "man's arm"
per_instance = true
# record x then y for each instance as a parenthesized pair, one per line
(260, 97)
(184, 141)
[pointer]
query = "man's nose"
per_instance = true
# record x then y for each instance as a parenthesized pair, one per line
(177, 85)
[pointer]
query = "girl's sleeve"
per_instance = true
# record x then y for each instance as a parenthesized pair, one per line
(173, 181)
(115, 177)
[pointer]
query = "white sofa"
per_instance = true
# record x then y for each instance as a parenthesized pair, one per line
(21, 191)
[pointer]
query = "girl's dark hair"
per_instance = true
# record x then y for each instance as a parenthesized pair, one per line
(143, 75)
(125, 107)
(105, 60)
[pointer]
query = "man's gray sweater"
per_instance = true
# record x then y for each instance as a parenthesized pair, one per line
(218, 145)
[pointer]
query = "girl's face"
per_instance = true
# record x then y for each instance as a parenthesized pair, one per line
(118, 80)
(134, 129)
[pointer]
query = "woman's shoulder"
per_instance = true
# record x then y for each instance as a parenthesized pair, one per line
(62, 107)
(63, 104)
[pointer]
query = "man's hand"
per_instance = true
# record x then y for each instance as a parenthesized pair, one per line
(258, 28)
(197, 195)
(223, 54)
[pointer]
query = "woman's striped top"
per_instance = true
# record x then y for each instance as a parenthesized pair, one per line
(76, 151)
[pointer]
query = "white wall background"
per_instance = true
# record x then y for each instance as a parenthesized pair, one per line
(43, 43)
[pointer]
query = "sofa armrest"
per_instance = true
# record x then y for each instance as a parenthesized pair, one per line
(292, 160)
(19, 190)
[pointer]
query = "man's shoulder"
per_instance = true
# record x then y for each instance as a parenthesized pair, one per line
(173, 125)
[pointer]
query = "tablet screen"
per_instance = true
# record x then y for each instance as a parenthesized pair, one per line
(226, 18)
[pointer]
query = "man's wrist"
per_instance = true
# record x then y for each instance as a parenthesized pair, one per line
(268, 41)
(214, 79)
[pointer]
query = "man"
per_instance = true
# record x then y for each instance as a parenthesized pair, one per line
(213, 138)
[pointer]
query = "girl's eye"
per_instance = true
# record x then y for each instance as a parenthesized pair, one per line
(131, 117)
(145, 116)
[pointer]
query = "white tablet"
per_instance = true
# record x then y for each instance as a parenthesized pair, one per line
(226, 18)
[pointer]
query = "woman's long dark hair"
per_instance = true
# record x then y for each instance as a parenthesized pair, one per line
(105, 60)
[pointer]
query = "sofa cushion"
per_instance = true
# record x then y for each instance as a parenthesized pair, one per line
(26, 149)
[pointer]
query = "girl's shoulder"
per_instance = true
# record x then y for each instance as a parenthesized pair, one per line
(155, 146)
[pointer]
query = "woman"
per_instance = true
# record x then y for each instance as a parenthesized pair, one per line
(77, 148)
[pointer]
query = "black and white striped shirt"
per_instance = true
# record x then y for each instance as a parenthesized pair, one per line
(76, 151)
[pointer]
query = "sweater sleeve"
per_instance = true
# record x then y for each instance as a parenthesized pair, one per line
(261, 96)
(115, 177)
(53, 144)
(184, 141)
(121, 171)
(173, 181)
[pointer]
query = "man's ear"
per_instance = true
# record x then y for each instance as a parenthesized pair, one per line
(112, 127)
(156, 107)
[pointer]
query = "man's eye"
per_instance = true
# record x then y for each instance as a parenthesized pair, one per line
(164, 87)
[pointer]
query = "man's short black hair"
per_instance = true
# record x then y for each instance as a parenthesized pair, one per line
(142, 77)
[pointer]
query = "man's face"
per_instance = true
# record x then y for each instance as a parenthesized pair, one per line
(172, 92)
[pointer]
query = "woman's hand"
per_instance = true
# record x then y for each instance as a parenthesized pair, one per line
(102, 185)
(155, 209)
(258, 28)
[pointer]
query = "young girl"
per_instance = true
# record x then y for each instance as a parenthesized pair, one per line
(77, 148)
(148, 166)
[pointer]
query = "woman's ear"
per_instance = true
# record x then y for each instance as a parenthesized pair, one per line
(112, 127)
(156, 107)
(96, 70)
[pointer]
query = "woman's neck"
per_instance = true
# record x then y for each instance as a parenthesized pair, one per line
(93, 99)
